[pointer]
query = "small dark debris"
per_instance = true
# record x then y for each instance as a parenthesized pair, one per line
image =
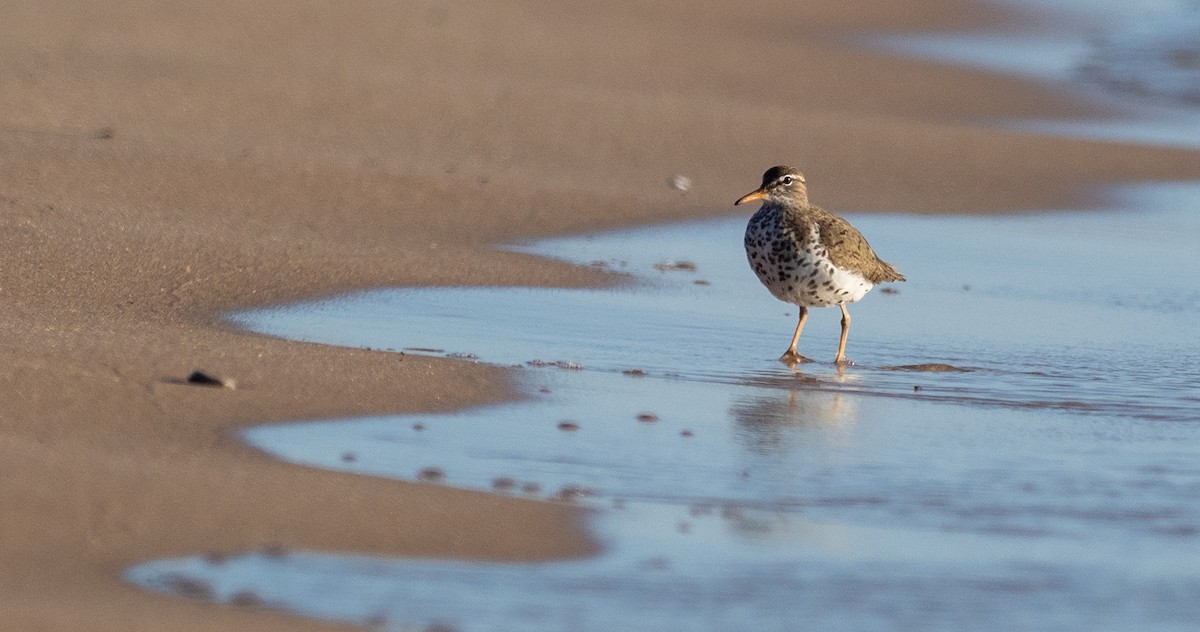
(889, 290)
(246, 599)
(657, 564)
(543, 390)
(349, 457)
(634, 372)
(503, 483)
(200, 377)
(686, 433)
(930, 367)
(431, 475)
(702, 282)
(571, 493)
(418, 426)
(568, 426)
(917, 389)
(562, 364)
(188, 587)
(675, 266)
(647, 417)
(274, 550)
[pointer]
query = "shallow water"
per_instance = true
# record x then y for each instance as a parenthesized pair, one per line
(1055, 484)
(1140, 59)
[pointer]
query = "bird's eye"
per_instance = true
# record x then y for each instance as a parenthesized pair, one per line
(787, 181)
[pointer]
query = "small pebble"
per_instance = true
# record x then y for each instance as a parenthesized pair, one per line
(647, 417)
(568, 426)
(349, 457)
(686, 433)
(418, 426)
(246, 599)
(916, 389)
(274, 550)
(199, 377)
(431, 475)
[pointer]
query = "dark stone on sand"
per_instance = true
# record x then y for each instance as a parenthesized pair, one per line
(431, 475)
(200, 377)
(215, 558)
(932, 367)
(274, 550)
(246, 599)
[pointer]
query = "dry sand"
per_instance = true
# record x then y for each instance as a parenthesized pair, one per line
(163, 162)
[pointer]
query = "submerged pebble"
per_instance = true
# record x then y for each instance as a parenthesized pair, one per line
(188, 587)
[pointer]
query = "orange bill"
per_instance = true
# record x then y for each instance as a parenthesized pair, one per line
(750, 197)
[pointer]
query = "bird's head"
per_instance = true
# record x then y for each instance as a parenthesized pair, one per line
(780, 185)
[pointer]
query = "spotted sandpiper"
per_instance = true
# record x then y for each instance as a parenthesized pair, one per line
(808, 256)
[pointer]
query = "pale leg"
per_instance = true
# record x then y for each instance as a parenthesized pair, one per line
(841, 354)
(791, 356)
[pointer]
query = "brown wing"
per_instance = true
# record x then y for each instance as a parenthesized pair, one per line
(849, 249)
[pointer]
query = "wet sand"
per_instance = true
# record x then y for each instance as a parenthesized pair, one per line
(160, 165)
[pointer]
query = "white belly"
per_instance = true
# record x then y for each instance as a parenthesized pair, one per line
(799, 273)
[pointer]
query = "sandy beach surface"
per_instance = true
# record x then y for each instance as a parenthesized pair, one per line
(161, 163)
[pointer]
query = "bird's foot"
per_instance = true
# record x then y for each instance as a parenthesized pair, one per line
(842, 361)
(791, 358)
